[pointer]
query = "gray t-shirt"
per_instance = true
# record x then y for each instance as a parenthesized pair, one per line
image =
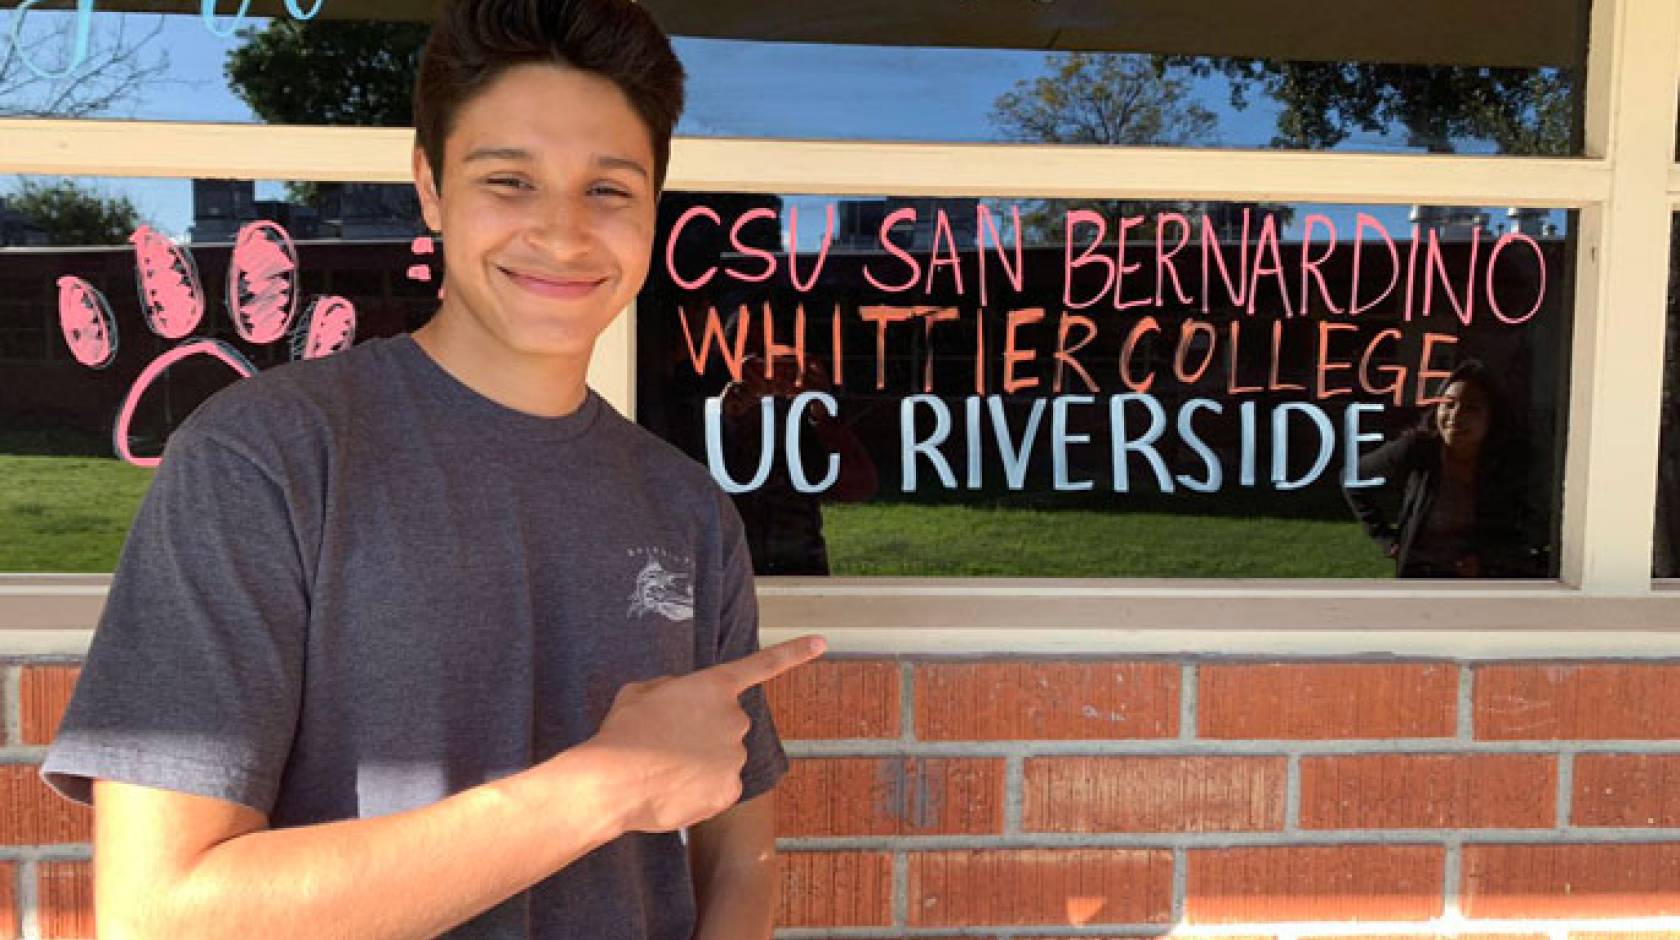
(357, 586)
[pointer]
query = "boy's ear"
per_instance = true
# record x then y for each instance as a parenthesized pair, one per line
(431, 209)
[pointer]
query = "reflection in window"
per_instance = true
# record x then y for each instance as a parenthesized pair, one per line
(951, 386)
(124, 303)
(1666, 563)
(1247, 86)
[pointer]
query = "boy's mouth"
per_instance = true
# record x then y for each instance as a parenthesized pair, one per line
(563, 288)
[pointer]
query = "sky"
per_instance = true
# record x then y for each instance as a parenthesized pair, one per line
(785, 90)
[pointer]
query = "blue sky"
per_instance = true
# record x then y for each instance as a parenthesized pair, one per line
(735, 89)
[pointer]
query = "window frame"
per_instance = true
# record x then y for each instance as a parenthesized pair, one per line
(1625, 186)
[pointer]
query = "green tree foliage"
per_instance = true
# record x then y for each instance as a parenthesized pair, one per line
(1113, 100)
(74, 215)
(335, 72)
(1102, 99)
(332, 72)
(1522, 111)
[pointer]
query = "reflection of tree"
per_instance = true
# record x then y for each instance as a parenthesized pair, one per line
(1106, 99)
(1102, 99)
(72, 215)
(1523, 111)
(334, 72)
(114, 70)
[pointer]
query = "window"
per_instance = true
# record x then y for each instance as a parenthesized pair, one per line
(96, 380)
(1001, 387)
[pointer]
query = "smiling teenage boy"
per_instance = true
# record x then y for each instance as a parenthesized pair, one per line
(424, 637)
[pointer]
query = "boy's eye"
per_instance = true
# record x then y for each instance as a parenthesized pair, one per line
(606, 189)
(507, 182)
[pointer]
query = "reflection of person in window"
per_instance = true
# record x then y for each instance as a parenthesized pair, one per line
(784, 525)
(1462, 506)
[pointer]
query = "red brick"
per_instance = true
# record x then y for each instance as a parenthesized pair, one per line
(1626, 790)
(1327, 700)
(1019, 887)
(1580, 701)
(1154, 794)
(1320, 883)
(32, 814)
(1429, 791)
(1036, 699)
(9, 926)
(890, 796)
(65, 908)
(45, 691)
(837, 698)
(1559, 881)
(834, 889)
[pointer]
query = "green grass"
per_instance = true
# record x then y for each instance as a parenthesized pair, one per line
(71, 514)
(66, 514)
(903, 539)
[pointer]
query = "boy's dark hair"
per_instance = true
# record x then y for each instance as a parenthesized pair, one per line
(475, 41)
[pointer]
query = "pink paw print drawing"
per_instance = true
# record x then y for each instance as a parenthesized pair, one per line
(262, 302)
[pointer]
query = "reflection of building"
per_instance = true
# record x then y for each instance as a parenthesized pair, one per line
(1455, 223)
(351, 211)
(859, 222)
(18, 229)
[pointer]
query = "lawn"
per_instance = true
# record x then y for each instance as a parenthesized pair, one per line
(903, 539)
(66, 514)
(70, 514)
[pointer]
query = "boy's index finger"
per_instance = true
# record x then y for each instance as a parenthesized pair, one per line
(770, 662)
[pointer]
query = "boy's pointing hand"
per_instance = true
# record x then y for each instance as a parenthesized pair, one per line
(671, 749)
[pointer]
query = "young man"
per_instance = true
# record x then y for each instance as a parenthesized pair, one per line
(424, 637)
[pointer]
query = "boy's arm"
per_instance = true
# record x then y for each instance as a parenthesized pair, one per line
(173, 864)
(734, 860)
(667, 755)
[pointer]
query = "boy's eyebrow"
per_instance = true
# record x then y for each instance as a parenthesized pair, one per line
(606, 161)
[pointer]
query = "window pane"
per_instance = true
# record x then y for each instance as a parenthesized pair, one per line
(1479, 78)
(83, 411)
(909, 387)
(1666, 564)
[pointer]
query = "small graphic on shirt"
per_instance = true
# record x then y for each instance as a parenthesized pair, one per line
(659, 590)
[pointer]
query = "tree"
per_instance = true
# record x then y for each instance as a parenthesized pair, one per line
(73, 215)
(334, 72)
(115, 69)
(1106, 99)
(1523, 111)
(1102, 99)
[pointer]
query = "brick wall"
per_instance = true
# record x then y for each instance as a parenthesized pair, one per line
(1027, 797)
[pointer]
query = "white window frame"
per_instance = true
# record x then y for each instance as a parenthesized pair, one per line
(1626, 185)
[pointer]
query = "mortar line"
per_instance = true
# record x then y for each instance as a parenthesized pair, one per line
(1452, 880)
(906, 701)
(869, 747)
(1014, 793)
(29, 901)
(1188, 694)
(11, 687)
(1466, 701)
(1292, 793)
(900, 889)
(1566, 790)
(1180, 883)
(1203, 840)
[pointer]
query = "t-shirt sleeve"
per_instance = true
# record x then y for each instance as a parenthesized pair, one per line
(738, 637)
(193, 677)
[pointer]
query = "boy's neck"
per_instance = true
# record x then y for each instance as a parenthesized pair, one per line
(547, 387)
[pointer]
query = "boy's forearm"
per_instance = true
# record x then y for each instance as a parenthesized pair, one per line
(413, 874)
